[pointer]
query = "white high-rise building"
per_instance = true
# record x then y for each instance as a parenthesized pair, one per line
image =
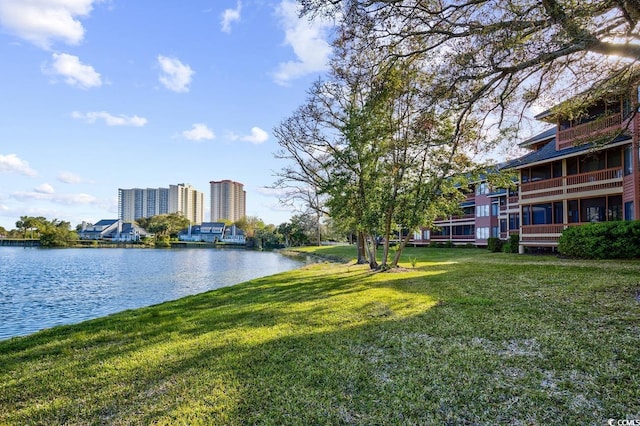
(228, 201)
(136, 203)
(186, 200)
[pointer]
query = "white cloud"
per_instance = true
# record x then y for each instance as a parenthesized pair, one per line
(308, 40)
(257, 136)
(42, 22)
(13, 164)
(229, 16)
(68, 177)
(175, 76)
(65, 199)
(273, 192)
(110, 119)
(45, 188)
(74, 72)
(198, 132)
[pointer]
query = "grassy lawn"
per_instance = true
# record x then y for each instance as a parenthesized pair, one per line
(465, 337)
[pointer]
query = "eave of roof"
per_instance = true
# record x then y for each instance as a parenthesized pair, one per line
(549, 152)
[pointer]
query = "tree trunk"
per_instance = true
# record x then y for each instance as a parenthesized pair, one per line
(403, 244)
(371, 245)
(362, 254)
(387, 238)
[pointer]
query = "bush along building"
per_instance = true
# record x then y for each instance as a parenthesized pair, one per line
(582, 170)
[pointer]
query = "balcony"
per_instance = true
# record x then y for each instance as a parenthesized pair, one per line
(546, 234)
(583, 182)
(583, 132)
(440, 238)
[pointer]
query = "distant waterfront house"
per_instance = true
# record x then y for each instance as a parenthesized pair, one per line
(129, 232)
(112, 230)
(212, 232)
(233, 235)
(207, 232)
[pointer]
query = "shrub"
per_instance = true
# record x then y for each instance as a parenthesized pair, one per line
(605, 240)
(494, 245)
(514, 242)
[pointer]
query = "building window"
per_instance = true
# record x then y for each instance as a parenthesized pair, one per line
(441, 232)
(482, 188)
(541, 214)
(494, 209)
(572, 166)
(482, 211)
(573, 211)
(592, 163)
(503, 225)
(628, 160)
(556, 169)
(463, 230)
(558, 213)
(593, 210)
(514, 221)
(495, 232)
(540, 172)
(614, 208)
(482, 233)
(468, 210)
(628, 210)
(614, 158)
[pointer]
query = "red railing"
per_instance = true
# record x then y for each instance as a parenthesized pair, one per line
(573, 134)
(595, 176)
(452, 237)
(542, 229)
(590, 177)
(541, 184)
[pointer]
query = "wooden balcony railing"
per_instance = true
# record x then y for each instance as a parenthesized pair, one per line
(452, 237)
(541, 184)
(542, 229)
(573, 135)
(582, 178)
(595, 176)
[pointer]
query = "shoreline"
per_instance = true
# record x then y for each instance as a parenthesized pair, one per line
(465, 336)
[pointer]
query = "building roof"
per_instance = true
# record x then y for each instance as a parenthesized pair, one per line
(216, 228)
(129, 228)
(540, 137)
(549, 152)
(105, 222)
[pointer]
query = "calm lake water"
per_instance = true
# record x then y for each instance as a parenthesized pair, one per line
(42, 288)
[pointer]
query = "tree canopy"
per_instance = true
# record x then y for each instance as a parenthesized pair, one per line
(495, 58)
(52, 233)
(379, 145)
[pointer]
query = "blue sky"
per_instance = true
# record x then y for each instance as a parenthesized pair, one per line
(105, 94)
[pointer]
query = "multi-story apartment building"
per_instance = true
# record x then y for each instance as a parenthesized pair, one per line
(228, 201)
(185, 199)
(136, 203)
(579, 171)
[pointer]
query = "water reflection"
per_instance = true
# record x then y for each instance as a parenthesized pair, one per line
(43, 288)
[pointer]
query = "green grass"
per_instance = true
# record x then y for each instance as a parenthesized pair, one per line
(464, 337)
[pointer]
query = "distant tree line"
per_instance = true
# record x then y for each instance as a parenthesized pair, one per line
(302, 229)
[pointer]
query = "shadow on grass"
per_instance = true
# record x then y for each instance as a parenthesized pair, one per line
(330, 344)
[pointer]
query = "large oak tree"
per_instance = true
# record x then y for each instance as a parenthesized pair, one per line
(498, 57)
